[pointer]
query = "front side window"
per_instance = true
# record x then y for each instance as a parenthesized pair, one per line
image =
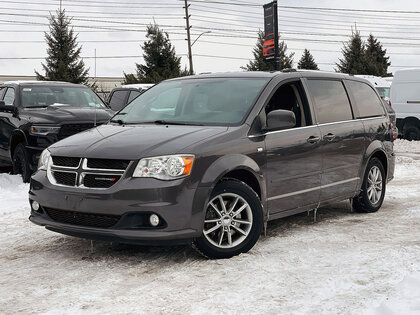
(368, 102)
(331, 101)
(44, 96)
(9, 97)
(290, 96)
(215, 101)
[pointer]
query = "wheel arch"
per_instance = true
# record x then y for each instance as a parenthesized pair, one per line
(239, 167)
(16, 138)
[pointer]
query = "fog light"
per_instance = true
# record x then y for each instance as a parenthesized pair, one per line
(35, 205)
(154, 220)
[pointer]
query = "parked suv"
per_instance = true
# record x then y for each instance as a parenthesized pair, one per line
(34, 115)
(211, 158)
(121, 96)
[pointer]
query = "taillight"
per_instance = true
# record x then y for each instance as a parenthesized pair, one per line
(390, 103)
(391, 127)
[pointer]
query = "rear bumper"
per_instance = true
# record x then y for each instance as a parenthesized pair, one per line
(181, 209)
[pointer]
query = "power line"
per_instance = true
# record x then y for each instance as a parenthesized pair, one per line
(156, 6)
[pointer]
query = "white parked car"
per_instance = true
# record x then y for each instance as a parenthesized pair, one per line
(405, 99)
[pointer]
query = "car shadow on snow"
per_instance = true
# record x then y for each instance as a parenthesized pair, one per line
(86, 250)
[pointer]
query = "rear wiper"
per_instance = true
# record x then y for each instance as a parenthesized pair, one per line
(164, 122)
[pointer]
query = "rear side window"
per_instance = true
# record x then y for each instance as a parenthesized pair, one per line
(9, 97)
(133, 95)
(367, 101)
(117, 100)
(331, 101)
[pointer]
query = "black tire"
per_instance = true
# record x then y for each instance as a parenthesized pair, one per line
(21, 163)
(362, 202)
(411, 132)
(237, 188)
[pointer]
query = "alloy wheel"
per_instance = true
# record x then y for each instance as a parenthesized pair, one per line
(228, 220)
(374, 187)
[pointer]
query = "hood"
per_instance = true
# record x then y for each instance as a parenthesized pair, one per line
(57, 114)
(133, 142)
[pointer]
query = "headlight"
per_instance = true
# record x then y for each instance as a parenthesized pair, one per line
(165, 167)
(43, 130)
(44, 159)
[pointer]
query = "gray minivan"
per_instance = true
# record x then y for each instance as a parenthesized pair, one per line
(209, 159)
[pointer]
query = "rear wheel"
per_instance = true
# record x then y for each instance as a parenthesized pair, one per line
(233, 221)
(411, 132)
(21, 162)
(373, 188)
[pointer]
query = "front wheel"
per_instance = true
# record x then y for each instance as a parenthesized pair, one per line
(21, 163)
(233, 221)
(373, 188)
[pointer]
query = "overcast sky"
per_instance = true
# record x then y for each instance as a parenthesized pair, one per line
(233, 31)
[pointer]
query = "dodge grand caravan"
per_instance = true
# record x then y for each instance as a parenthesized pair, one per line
(209, 159)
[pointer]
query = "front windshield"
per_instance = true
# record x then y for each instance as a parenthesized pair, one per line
(43, 96)
(217, 101)
(383, 91)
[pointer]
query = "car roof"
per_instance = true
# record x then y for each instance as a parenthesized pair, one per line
(33, 82)
(137, 86)
(266, 74)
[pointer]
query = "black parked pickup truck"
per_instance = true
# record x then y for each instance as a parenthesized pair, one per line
(34, 115)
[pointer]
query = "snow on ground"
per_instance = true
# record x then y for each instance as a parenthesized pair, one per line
(345, 263)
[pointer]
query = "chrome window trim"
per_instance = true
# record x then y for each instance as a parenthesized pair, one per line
(298, 192)
(315, 125)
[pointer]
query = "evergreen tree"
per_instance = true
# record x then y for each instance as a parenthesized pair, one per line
(376, 62)
(160, 60)
(353, 61)
(307, 61)
(63, 62)
(259, 64)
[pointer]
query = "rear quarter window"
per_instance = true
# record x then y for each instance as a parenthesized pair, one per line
(367, 101)
(331, 101)
(117, 100)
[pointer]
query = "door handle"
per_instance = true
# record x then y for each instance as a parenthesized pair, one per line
(329, 137)
(313, 139)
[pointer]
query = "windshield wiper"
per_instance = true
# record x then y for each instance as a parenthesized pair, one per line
(164, 122)
(118, 121)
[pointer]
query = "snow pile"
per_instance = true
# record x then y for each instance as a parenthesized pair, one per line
(401, 145)
(345, 263)
(404, 299)
(13, 195)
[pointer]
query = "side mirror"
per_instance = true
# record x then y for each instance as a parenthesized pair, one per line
(7, 108)
(280, 119)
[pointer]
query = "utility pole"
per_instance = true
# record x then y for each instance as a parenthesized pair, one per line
(187, 19)
(60, 5)
(95, 63)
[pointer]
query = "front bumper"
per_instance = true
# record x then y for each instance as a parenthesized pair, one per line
(181, 208)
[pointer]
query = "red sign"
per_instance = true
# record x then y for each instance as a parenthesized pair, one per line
(269, 48)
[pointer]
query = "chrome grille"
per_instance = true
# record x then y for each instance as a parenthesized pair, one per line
(86, 173)
(66, 161)
(65, 178)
